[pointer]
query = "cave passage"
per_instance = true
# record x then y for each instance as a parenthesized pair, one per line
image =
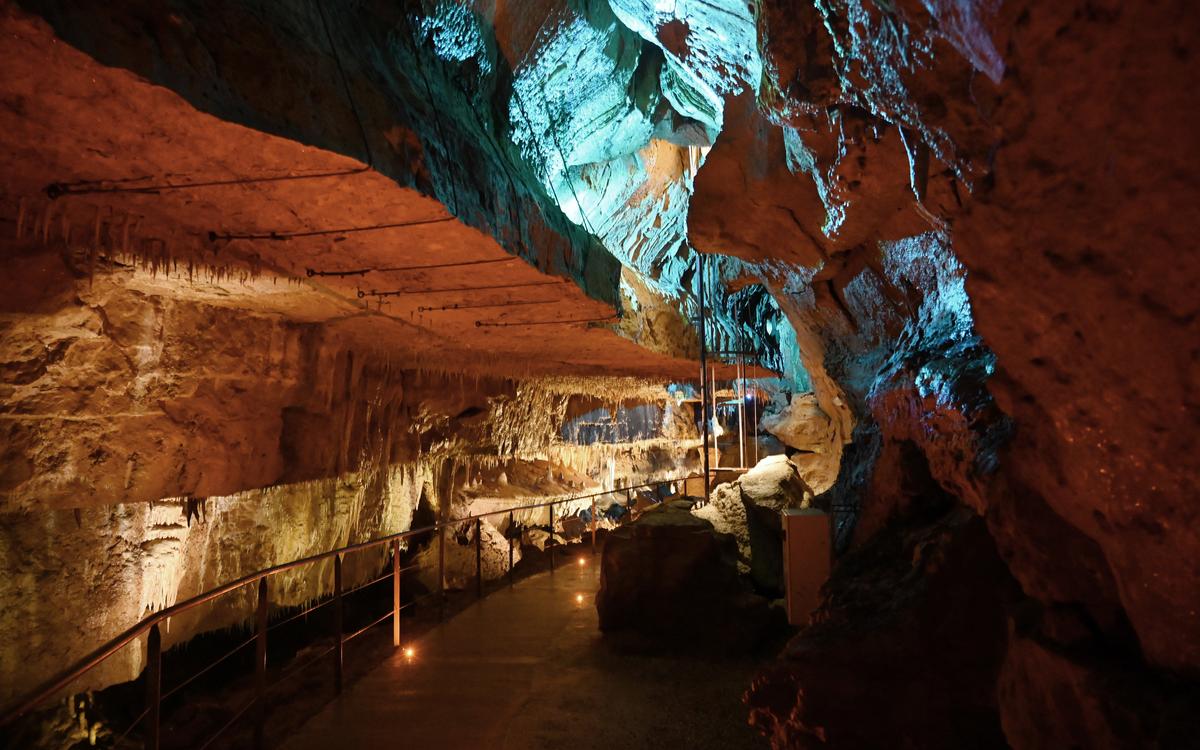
(849, 344)
(526, 668)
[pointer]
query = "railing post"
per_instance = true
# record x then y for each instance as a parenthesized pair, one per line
(441, 571)
(511, 529)
(396, 593)
(260, 665)
(741, 393)
(593, 525)
(550, 541)
(337, 624)
(479, 558)
(153, 685)
(704, 376)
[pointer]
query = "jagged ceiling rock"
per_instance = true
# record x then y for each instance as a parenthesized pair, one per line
(710, 51)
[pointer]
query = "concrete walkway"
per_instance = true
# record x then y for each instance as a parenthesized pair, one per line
(526, 669)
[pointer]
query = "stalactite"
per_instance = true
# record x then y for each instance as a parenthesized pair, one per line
(21, 207)
(45, 229)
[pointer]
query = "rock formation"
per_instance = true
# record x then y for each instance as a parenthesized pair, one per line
(749, 508)
(669, 581)
(291, 275)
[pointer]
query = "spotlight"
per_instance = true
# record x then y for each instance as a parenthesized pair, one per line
(409, 652)
(582, 561)
(579, 598)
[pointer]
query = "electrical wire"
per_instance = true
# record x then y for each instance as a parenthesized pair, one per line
(488, 304)
(214, 236)
(56, 190)
(400, 292)
(489, 324)
(396, 269)
(337, 59)
(81, 187)
(437, 119)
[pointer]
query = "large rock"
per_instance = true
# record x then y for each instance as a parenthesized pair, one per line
(669, 580)
(1099, 700)
(803, 425)
(905, 651)
(749, 508)
(460, 558)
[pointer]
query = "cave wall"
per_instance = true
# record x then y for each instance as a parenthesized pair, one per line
(160, 440)
(1024, 152)
(118, 390)
(110, 565)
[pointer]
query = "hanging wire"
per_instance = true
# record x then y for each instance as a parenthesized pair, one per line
(502, 157)
(488, 304)
(437, 120)
(337, 59)
(56, 190)
(558, 146)
(214, 236)
(310, 272)
(400, 292)
(537, 141)
(497, 324)
(566, 167)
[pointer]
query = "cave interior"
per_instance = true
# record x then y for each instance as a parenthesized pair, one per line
(615, 276)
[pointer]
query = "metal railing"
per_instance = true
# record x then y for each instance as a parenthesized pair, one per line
(150, 717)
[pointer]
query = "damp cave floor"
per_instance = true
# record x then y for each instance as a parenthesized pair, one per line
(525, 668)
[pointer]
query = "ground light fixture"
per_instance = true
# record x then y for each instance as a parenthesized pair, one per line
(579, 598)
(582, 561)
(409, 652)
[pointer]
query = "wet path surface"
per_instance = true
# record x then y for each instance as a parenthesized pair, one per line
(525, 668)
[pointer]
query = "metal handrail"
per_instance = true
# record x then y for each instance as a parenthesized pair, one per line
(55, 684)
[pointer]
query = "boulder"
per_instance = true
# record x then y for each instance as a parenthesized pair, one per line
(918, 614)
(670, 581)
(749, 509)
(803, 426)
(574, 527)
(540, 538)
(460, 559)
